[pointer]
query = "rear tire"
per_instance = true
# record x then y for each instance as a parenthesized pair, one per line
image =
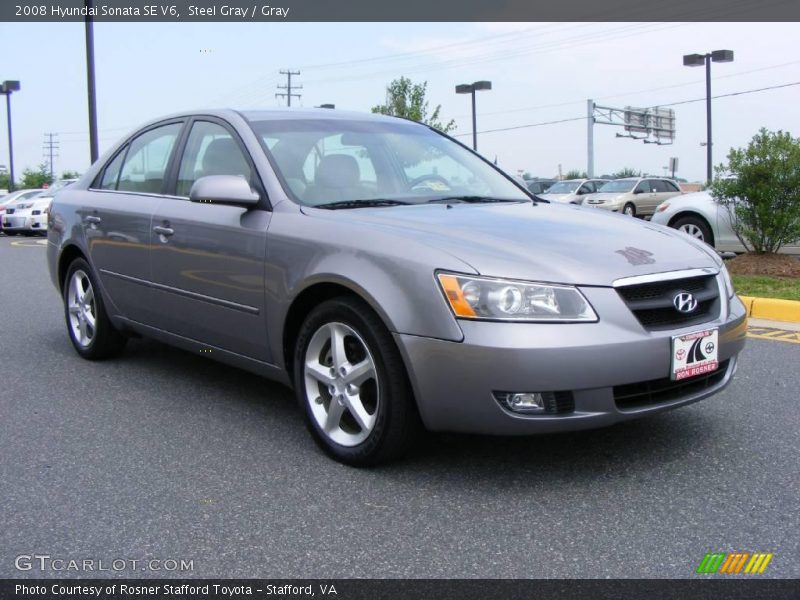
(695, 227)
(352, 384)
(90, 330)
(629, 209)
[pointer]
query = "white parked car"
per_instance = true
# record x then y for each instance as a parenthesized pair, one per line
(14, 198)
(572, 191)
(29, 216)
(703, 218)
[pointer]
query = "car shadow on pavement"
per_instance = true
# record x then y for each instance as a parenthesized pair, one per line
(640, 448)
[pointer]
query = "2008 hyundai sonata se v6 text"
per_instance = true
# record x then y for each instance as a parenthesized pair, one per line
(391, 276)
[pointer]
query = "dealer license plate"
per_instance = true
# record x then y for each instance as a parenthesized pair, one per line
(694, 354)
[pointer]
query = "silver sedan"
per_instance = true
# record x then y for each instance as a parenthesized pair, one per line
(705, 219)
(390, 275)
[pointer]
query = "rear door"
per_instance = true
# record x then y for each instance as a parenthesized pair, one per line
(208, 259)
(116, 220)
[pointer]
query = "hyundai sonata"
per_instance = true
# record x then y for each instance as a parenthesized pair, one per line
(390, 275)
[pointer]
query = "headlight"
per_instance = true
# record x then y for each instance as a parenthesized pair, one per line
(726, 277)
(504, 300)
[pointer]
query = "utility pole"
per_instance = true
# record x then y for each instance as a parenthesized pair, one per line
(50, 146)
(289, 87)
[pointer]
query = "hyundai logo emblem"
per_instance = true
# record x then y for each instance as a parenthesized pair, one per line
(684, 302)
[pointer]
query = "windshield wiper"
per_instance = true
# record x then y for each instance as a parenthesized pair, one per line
(471, 199)
(362, 203)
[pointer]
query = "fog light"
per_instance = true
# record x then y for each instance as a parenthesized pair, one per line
(522, 402)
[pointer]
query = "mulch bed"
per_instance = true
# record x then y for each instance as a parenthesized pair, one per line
(771, 265)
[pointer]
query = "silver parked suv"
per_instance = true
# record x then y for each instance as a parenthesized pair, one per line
(390, 275)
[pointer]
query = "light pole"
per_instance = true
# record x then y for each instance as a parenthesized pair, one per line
(698, 60)
(8, 88)
(471, 88)
(90, 85)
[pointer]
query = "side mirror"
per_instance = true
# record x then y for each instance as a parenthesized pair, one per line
(638, 191)
(223, 189)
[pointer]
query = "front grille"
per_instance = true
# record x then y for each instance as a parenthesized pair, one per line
(660, 391)
(10, 211)
(36, 212)
(652, 303)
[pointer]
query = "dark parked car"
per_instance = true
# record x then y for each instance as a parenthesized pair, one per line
(540, 186)
(389, 274)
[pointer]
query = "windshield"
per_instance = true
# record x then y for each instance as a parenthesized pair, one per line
(620, 185)
(327, 161)
(564, 187)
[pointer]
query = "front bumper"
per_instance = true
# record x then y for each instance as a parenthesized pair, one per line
(454, 381)
(24, 222)
(612, 206)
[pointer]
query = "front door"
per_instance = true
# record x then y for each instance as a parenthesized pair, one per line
(208, 259)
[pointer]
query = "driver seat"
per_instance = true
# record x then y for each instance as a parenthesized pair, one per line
(337, 178)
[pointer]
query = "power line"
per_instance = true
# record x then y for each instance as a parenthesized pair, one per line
(288, 87)
(740, 93)
(632, 93)
(764, 89)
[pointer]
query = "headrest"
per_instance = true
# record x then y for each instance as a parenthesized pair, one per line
(337, 171)
(223, 157)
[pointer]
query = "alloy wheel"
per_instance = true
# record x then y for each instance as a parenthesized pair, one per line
(82, 309)
(341, 384)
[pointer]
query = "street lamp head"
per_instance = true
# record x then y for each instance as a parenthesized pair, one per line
(482, 85)
(722, 56)
(694, 60)
(464, 88)
(10, 86)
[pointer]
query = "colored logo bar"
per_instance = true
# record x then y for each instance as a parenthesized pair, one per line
(732, 563)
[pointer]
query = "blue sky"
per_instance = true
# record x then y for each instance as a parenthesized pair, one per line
(540, 72)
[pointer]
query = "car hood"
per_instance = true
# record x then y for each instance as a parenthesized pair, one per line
(543, 242)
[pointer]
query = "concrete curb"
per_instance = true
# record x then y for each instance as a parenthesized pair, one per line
(772, 309)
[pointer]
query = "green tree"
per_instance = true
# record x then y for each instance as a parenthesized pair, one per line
(4, 181)
(626, 172)
(35, 179)
(760, 186)
(576, 174)
(407, 99)
(70, 175)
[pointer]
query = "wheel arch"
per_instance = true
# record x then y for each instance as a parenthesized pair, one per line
(311, 296)
(695, 215)
(65, 259)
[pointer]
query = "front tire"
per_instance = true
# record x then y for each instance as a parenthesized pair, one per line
(697, 228)
(352, 384)
(90, 330)
(629, 209)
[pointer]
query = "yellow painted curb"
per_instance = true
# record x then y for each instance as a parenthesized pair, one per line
(772, 308)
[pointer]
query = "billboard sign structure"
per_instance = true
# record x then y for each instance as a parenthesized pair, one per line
(656, 122)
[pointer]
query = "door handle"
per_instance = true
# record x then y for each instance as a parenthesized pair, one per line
(165, 231)
(92, 220)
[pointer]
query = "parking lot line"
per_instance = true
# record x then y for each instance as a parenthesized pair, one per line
(770, 333)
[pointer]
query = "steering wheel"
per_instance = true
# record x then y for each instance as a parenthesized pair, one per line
(430, 177)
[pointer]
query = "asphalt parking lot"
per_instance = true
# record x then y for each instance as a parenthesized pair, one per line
(164, 454)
